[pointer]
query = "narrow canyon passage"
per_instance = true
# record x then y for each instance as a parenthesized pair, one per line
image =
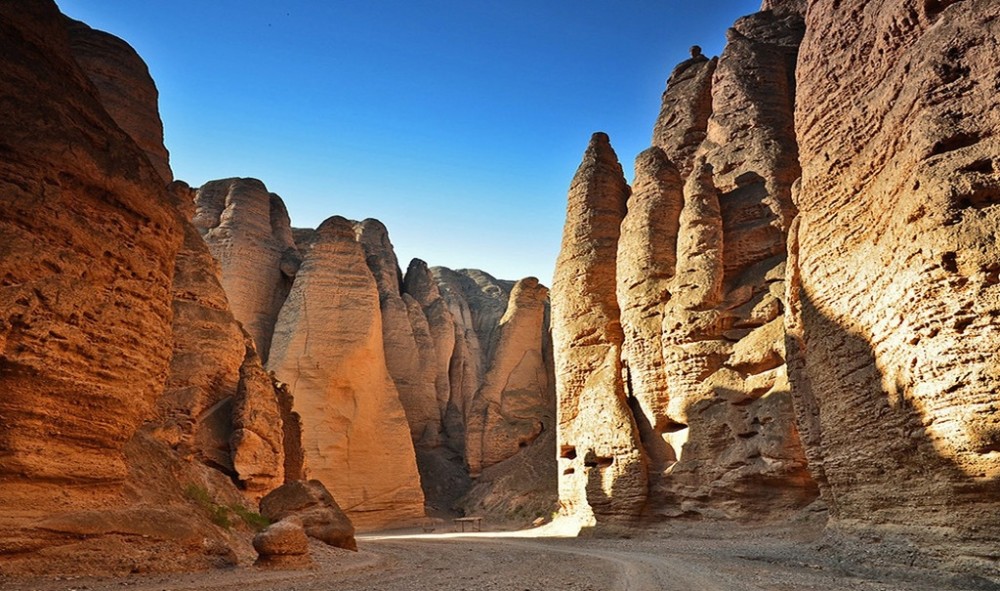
(672, 559)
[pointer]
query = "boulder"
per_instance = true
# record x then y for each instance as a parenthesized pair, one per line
(283, 544)
(308, 504)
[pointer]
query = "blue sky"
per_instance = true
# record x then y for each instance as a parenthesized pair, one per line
(458, 124)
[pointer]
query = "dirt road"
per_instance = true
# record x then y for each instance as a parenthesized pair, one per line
(669, 560)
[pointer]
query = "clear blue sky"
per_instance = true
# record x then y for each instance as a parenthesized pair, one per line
(458, 124)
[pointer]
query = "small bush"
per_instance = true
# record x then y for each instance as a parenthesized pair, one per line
(223, 515)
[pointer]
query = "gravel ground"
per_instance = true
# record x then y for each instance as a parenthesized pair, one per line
(682, 558)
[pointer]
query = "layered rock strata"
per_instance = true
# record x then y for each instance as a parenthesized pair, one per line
(248, 232)
(896, 288)
(125, 88)
(328, 348)
(89, 265)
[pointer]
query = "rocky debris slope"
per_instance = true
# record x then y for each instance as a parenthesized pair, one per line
(688, 298)
(895, 283)
(328, 348)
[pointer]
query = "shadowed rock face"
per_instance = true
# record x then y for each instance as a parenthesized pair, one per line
(896, 325)
(125, 88)
(328, 348)
(512, 406)
(248, 232)
(602, 469)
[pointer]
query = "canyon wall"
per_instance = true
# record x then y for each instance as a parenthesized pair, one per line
(895, 288)
(668, 298)
(108, 302)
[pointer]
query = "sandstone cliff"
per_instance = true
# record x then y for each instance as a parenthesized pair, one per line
(125, 88)
(697, 274)
(328, 347)
(895, 288)
(602, 467)
(93, 256)
(249, 233)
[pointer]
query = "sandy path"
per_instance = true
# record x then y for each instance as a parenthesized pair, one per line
(666, 561)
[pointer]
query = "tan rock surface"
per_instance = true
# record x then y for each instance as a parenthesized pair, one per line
(328, 348)
(685, 107)
(312, 505)
(248, 231)
(409, 357)
(898, 297)
(282, 545)
(602, 468)
(513, 405)
(125, 88)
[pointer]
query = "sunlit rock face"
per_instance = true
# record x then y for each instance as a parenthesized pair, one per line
(897, 300)
(602, 468)
(125, 88)
(698, 276)
(93, 259)
(248, 232)
(89, 239)
(719, 424)
(218, 405)
(328, 348)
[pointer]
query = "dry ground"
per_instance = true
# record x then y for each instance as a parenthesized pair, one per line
(693, 557)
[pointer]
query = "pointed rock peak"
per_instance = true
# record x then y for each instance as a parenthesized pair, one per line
(373, 230)
(600, 149)
(785, 6)
(528, 292)
(419, 283)
(600, 162)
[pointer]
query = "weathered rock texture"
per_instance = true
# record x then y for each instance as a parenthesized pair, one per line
(282, 545)
(125, 88)
(88, 256)
(311, 505)
(218, 404)
(328, 348)
(698, 276)
(897, 298)
(602, 468)
(513, 405)
(248, 231)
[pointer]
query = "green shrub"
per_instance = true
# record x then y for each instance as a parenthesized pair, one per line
(223, 515)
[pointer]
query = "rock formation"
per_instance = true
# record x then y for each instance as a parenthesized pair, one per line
(512, 407)
(312, 506)
(896, 292)
(125, 88)
(409, 354)
(249, 233)
(602, 468)
(699, 278)
(328, 348)
(90, 246)
(283, 545)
